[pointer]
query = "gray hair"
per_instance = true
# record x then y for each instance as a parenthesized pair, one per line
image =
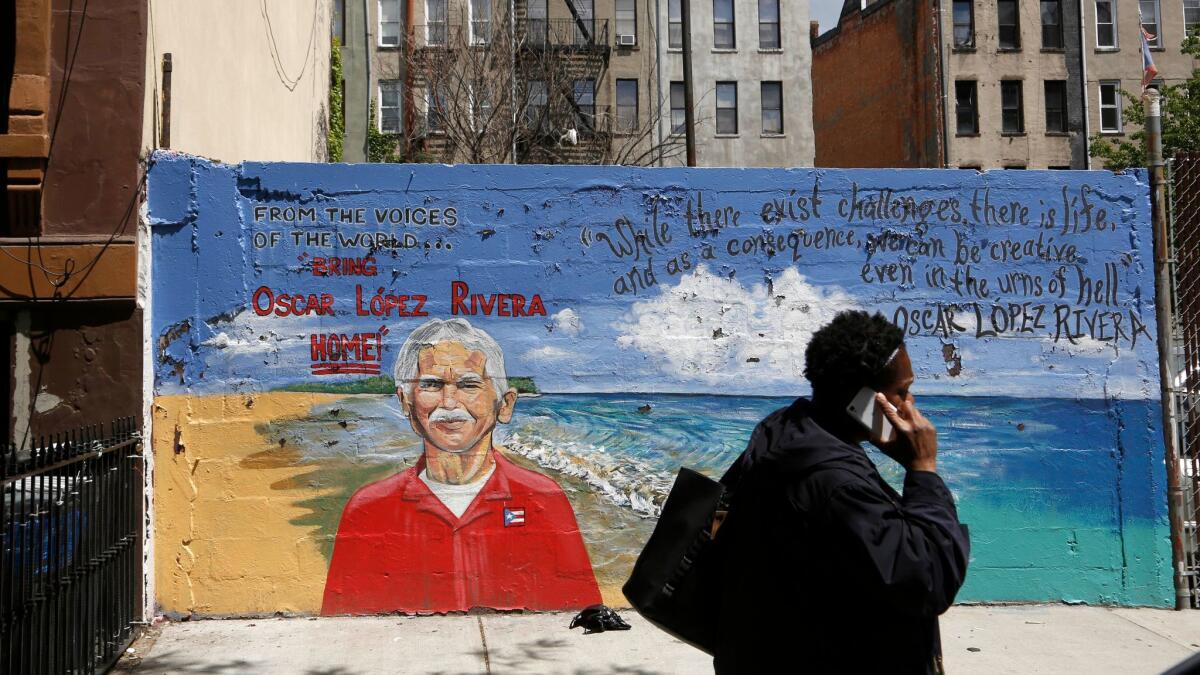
(436, 331)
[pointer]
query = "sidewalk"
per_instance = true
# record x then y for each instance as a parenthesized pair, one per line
(1019, 639)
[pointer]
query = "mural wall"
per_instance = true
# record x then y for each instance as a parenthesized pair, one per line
(430, 388)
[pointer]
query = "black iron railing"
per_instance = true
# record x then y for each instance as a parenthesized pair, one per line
(71, 567)
(576, 33)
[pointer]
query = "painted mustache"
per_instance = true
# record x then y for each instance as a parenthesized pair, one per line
(456, 415)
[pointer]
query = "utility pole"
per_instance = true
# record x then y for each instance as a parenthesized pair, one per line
(1165, 316)
(689, 100)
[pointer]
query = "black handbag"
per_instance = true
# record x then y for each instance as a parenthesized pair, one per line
(675, 583)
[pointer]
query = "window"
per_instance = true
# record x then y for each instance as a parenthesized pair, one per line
(1010, 24)
(389, 23)
(627, 18)
(967, 167)
(389, 106)
(965, 109)
(1110, 107)
(627, 106)
(724, 33)
(964, 24)
(481, 21)
(585, 24)
(1052, 33)
(1150, 21)
(772, 108)
(537, 25)
(435, 16)
(727, 108)
(1016, 167)
(535, 106)
(678, 108)
(585, 102)
(1012, 109)
(1106, 24)
(1056, 106)
(338, 22)
(482, 106)
(435, 110)
(674, 25)
(1059, 168)
(768, 24)
(1191, 15)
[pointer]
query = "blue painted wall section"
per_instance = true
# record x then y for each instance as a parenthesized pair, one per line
(661, 312)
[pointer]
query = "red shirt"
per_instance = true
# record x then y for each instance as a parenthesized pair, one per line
(517, 546)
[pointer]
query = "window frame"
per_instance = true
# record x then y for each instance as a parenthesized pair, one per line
(674, 24)
(777, 24)
(1016, 26)
(431, 24)
(621, 127)
(380, 23)
(974, 108)
(1195, 27)
(1157, 42)
(732, 23)
(1116, 106)
(954, 25)
(1059, 33)
(1112, 13)
(681, 109)
(617, 18)
(1019, 87)
(399, 107)
(582, 115)
(1064, 110)
(535, 101)
(472, 21)
(762, 97)
(432, 112)
(736, 105)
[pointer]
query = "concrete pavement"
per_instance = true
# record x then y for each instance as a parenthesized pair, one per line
(976, 639)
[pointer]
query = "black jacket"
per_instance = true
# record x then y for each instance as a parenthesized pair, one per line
(824, 567)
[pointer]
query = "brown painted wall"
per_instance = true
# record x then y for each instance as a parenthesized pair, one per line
(98, 52)
(85, 366)
(875, 88)
(73, 361)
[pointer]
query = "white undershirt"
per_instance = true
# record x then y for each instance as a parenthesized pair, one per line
(456, 497)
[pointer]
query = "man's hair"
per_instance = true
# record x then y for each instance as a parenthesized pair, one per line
(850, 352)
(436, 331)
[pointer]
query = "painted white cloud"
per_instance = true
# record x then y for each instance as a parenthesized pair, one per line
(714, 329)
(548, 353)
(568, 322)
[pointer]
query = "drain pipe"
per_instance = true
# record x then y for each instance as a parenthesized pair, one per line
(1166, 371)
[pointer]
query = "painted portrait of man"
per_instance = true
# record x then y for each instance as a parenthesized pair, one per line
(464, 527)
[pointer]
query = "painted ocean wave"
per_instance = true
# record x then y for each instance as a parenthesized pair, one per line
(627, 482)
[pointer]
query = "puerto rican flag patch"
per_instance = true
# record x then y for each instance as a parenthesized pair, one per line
(514, 517)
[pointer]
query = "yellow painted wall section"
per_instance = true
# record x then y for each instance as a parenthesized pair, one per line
(227, 497)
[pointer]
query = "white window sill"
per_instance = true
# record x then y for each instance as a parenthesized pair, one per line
(727, 135)
(770, 50)
(724, 50)
(772, 135)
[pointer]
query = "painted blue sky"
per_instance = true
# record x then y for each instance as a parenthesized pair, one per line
(732, 324)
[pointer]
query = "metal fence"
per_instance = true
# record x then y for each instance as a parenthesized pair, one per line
(71, 569)
(1184, 200)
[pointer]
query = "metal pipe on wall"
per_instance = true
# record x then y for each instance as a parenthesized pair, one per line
(1165, 316)
(689, 100)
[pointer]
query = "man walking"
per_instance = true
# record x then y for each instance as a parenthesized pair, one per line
(825, 567)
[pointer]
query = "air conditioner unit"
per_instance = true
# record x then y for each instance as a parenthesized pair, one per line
(626, 40)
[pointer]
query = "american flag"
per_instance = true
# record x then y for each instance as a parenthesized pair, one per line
(1149, 70)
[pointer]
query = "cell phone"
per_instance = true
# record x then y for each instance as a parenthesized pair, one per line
(869, 413)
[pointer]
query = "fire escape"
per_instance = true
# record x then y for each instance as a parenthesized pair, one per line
(560, 64)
